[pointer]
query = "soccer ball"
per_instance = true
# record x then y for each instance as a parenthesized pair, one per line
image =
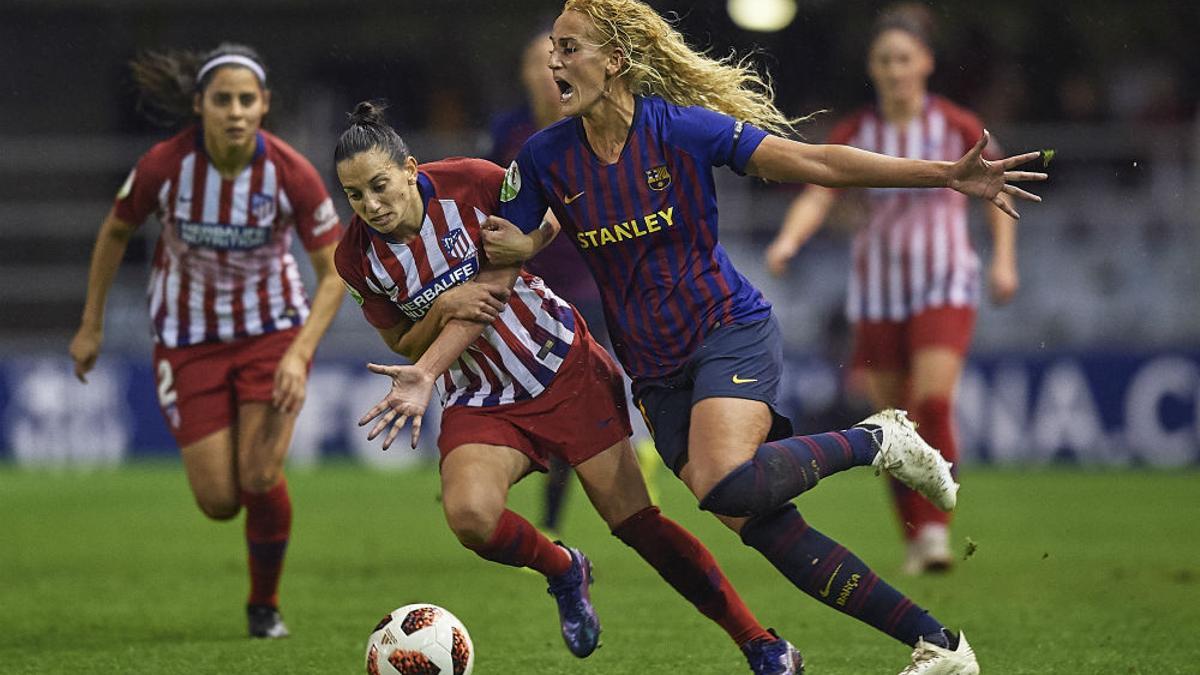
(420, 639)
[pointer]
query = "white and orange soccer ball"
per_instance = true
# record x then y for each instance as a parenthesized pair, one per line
(420, 639)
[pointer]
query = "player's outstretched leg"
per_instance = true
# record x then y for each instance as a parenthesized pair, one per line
(773, 656)
(905, 456)
(571, 590)
(782, 470)
(831, 574)
(956, 658)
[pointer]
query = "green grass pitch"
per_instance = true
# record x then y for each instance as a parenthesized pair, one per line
(117, 572)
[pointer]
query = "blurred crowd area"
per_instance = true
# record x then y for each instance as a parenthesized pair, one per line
(1107, 261)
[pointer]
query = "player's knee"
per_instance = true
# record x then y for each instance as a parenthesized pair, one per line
(218, 508)
(260, 478)
(473, 522)
(740, 493)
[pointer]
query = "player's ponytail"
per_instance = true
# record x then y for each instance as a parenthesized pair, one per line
(168, 81)
(368, 129)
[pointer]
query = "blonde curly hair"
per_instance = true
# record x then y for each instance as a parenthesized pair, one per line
(659, 62)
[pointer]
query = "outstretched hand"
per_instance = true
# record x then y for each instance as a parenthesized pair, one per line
(975, 176)
(408, 398)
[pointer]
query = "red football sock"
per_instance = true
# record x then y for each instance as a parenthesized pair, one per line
(687, 565)
(518, 543)
(935, 423)
(268, 525)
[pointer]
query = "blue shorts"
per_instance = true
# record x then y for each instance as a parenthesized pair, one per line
(734, 361)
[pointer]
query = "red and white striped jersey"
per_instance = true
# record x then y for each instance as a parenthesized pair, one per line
(518, 355)
(914, 252)
(222, 266)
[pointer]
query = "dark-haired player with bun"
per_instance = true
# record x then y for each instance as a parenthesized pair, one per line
(915, 279)
(520, 378)
(234, 331)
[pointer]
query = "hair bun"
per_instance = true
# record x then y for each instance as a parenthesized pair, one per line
(368, 112)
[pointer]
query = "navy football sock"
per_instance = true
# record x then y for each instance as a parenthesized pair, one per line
(943, 638)
(833, 575)
(781, 470)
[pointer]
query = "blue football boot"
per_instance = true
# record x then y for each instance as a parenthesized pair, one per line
(580, 625)
(773, 657)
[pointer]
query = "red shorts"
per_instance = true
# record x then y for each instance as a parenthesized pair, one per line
(581, 414)
(200, 387)
(889, 345)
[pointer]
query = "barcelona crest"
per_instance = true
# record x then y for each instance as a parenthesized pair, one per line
(658, 178)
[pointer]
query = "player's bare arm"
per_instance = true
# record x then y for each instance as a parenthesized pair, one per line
(1003, 278)
(507, 245)
(111, 242)
(291, 375)
(413, 385)
(787, 161)
(475, 301)
(803, 219)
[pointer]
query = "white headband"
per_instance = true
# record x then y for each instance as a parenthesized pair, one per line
(235, 60)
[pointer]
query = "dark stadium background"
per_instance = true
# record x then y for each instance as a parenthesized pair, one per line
(1107, 304)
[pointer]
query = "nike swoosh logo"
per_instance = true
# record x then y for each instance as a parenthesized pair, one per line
(829, 584)
(739, 380)
(568, 200)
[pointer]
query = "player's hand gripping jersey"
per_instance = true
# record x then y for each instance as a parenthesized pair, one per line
(518, 355)
(646, 226)
(222, 266)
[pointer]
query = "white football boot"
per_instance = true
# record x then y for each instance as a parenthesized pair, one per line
(912, 461)
(929, 551)
(930, 659)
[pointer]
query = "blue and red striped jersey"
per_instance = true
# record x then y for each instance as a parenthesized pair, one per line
(646, 225)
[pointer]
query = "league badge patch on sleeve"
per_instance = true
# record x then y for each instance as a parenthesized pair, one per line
(354, 294)
(325, 216)
(512, 183)
(658, 178)
(127, 186)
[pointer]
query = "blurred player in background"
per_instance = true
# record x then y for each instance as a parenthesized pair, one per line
(914, 277)
(522, 380)
(234, 334)
(629, 177)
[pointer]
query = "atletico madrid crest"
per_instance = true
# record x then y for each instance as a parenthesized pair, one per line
(262, 206)
(658, 178)
(456, 245)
